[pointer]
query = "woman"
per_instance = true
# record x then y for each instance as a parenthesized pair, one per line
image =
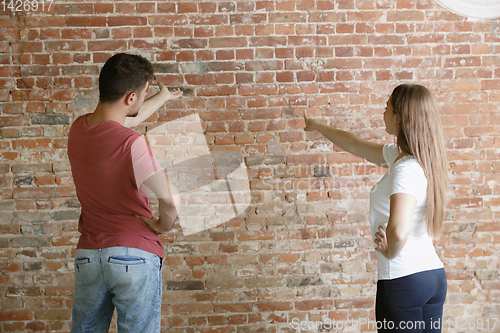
(406, 209)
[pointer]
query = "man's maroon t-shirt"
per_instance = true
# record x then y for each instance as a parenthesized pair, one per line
(109, 163)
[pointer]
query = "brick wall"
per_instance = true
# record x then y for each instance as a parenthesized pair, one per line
(250, 69)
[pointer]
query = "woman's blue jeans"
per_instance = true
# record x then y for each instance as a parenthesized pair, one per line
(411, 304)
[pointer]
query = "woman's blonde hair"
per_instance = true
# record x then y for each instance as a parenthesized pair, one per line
(420, 134)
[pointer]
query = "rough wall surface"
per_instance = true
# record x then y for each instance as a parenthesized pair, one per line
(302, 251)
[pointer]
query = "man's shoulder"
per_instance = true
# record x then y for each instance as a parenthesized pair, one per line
(108, 131)
(79, 120)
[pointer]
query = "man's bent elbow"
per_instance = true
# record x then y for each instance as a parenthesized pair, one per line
(169, 208)
(172, 203)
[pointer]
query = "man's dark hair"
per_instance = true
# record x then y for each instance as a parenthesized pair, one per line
(122, 74)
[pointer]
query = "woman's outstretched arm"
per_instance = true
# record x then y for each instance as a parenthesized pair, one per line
(370, 151)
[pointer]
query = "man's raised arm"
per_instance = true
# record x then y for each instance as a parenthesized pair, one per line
(151, 105)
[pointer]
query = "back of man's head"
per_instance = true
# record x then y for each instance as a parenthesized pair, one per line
(122, 74)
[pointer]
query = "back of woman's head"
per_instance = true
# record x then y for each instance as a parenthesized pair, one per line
(420, 134)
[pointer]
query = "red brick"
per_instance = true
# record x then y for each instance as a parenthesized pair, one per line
(354, 303)
(291, 136)
(244, 30)
(53, 314)
(216, 91)
(31, 143)
(284, 77)
(314, 305)
(36, 326)
(126, 20)
(249, 235)
(103, 8)
(58, 291)
(274, 306)
(227, 42)
(106, 45)
(85, 21)
(225, 55)
(305, 159)
(33, 193)
(242, 78)
(289, 257)
(257, 90)
(16, 316)
(473, 61)
(73, 9)
(306, 76)
(317, 196)
(62, 58)
(195, 79)
(17, 120)
(256, 102)
(45, 180)
(490, 84)
(287, 17)
(191, 308)
(35, 21)
(25, 292)
(326, 76)
(168, 20)
(200, 32)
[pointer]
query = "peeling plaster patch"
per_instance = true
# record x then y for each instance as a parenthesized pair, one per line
(473, 9)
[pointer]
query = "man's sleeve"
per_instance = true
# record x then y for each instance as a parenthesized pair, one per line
(144, 163)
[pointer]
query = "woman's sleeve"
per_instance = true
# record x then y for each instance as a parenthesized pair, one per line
(409, 178)
(390, 153)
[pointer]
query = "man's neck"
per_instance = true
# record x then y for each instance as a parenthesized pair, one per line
(105, 112)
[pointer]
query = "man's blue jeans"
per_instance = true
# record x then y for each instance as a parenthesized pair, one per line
(126, 278)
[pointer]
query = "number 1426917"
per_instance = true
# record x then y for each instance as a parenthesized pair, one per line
(26, 6)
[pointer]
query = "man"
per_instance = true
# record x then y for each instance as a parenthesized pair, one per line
(119, 254)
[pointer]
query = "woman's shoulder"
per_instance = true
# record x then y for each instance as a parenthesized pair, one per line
(390, 152)
(408, 166)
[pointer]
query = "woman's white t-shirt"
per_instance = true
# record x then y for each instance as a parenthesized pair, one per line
(403, 176)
